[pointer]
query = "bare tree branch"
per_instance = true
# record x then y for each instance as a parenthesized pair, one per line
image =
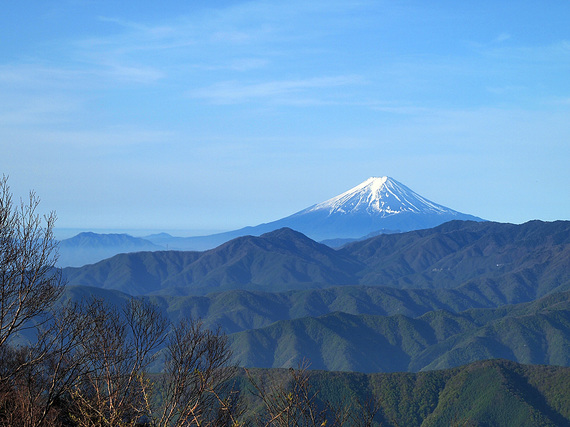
(29, 281)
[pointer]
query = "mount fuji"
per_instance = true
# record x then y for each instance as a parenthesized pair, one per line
(376, 205)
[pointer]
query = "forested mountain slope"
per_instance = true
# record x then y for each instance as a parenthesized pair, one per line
(525, 261)
(537, 332)
(275, 261)
(490, 393)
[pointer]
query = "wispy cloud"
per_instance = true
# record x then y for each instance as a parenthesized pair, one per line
(560, 101)
(36, 110)
(216, 38)
(232, 92)
(239, 64)
(69, 143)
(39, 74)
(46, 76)
(502, 37)
(558, 52)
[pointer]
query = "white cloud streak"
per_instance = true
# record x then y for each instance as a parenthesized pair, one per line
(233, 92)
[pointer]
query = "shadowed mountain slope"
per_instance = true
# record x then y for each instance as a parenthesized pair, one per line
(283, 259)
(238, 310)
(512, 263)
(536, 332)
(458, 252)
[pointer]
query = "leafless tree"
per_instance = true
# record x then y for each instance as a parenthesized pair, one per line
(29, 283)
(196, 388)
(115, 388)
(295, 402)
(29, 286)
(87, 364)
(90, 367)
(290, 403)
(119, 346)
(41, 375)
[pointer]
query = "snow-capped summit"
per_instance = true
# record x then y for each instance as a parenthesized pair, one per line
(378, 205)
(379, 196)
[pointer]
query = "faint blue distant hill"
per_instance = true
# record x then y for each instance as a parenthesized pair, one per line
(88, 248)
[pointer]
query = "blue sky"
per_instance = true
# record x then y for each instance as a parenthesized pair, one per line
(192, 115)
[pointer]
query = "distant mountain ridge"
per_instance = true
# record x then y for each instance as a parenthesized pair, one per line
(528, 260)
(88, 247)
(533, 332)
(275, 259)
(238, 310)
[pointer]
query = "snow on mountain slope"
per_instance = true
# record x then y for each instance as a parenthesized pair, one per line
(375, 204)
(379, 196)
